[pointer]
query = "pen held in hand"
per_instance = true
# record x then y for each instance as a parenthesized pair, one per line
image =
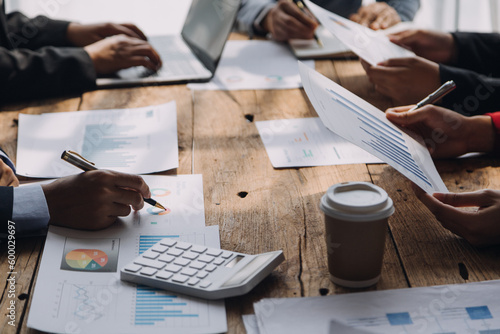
(302, 6)
(446, 88)
(80, 162)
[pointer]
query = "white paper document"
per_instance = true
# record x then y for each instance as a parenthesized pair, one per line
(306, 142)
(78, 288)
(140, 140)
(367, 127)
(472, 308)
(331, 46)
(248, 65)
(373, 46)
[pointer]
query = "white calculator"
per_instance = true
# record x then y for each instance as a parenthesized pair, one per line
(199, 271)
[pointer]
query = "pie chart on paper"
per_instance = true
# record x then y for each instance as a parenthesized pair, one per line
(86, 259)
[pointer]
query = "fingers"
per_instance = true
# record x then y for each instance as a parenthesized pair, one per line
(399, 109)
(366, 16)
(127, 197)
(399, 62)
(136, 30)
(480, 198)
(298, 15)
(450, 217)
(131, 181)
(385, 19)
(7, 176)
(406, 37)
(404, 117)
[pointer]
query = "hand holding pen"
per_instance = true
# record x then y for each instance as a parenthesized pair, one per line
(303, 7)
(286, 21)
(80, 162)
(441, 92)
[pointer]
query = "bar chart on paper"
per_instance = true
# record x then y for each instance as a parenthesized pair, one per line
(385, 140)
(471, 308)
(159, 308)
(365, 126)
(453, 320)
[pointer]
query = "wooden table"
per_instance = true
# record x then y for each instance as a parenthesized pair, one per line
(259, 208)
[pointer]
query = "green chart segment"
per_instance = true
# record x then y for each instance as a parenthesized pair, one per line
(86, 259)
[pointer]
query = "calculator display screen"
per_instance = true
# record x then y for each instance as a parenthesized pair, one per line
(234, 261)
(248, 270)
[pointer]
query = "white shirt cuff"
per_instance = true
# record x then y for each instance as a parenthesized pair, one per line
(257, 23)
(30, 211)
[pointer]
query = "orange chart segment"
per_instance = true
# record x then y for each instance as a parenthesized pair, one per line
(86, 259)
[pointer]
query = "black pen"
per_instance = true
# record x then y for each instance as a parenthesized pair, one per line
(438, 94)
(80, 162)
(302, 6)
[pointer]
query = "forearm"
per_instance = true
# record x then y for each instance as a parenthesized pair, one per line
(478, 52)
(405, 8)
(36, 32)
(480, 134)
(250, 11)
(44, 73)
(475, 94)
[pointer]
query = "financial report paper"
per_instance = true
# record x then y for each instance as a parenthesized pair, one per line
(78, 288)
(471, 308)
(254, 65)
(367, 127)
(303, 142)
(139, 141)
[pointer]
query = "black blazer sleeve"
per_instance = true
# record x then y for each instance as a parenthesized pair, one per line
(479, 52)
(6, 204)
(37, 32)
(46, 72)
(475, 94)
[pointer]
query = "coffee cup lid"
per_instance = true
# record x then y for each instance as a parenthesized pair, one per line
(356, 201)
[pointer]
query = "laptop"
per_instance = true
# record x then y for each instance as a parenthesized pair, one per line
(191, 56)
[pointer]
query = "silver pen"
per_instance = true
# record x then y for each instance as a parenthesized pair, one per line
(80, 162)
(438, 94)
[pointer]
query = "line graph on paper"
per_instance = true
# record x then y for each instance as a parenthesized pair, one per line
(83, 302)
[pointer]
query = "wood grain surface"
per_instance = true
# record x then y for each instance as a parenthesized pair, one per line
(259, 208)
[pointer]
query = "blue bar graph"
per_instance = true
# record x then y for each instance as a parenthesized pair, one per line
(155, 306)
(384, 139)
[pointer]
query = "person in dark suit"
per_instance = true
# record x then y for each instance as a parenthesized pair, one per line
(90, 200)
(284, 20)
(41, 57)
(469, 59)
(458, 135)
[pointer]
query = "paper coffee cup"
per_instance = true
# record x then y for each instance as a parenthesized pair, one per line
(356, 215)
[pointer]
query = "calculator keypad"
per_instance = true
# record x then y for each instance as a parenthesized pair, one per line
(180, 262)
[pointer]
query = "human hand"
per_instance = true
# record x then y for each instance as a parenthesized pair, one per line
(435, 46)
(86, 34)
(446, 133)
(378, 15)
(118, 52)
(405, 80)
(479, 228)
(7, 176)
(286, 21)
(93, 200)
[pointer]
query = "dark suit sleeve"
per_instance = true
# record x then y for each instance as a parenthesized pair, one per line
(6, 204)
(37, 32)
(479, 52)
(46, 72)
(475, 94)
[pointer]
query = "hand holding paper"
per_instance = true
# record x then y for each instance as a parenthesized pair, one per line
(372, 46)
(366, 126)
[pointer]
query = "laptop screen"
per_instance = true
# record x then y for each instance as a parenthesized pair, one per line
(207, 28)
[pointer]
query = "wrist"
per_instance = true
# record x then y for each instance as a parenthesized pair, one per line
(481, 134)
